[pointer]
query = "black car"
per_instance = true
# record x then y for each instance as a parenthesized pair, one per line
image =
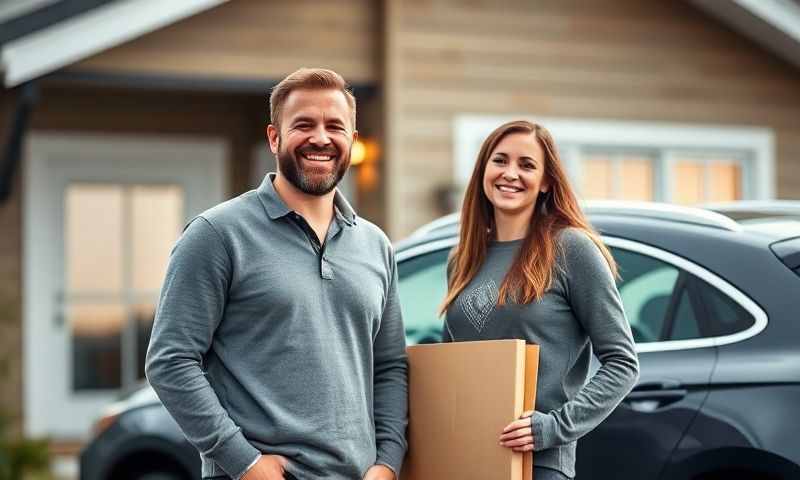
(712, 306)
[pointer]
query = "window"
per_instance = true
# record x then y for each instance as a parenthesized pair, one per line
(650, 161)
(662, 301)
(646, 287)
(114, 271)
(685, 325)
(422, 286)
(617, 175)
(724, 315)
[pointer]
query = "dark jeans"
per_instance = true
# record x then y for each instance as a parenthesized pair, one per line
(539, 473)
(544, 473)
(286, 476)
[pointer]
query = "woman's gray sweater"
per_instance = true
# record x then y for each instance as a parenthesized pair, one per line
(579, 315)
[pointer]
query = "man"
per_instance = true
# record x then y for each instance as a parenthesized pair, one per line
(278, 345)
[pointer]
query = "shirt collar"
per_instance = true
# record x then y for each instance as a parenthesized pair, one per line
(277, 208)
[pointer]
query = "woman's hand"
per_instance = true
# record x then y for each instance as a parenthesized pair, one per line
(268, 467)
(518, 435)
(379, 472)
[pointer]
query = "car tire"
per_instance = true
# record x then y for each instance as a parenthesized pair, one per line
(159, 476)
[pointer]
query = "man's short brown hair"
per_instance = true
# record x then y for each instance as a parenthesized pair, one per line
(311, 79)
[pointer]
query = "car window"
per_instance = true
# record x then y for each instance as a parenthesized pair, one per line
(661, 301)
(422, 286)
(724, 315)
(685, 324)
(646, 286)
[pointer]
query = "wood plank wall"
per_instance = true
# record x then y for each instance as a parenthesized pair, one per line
(255, 39)
(618, 59)
(10, 285)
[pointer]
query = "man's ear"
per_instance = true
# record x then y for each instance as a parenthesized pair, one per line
(273, 136)
(355, 135)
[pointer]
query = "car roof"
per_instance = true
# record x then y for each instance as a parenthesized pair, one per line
(610, 217)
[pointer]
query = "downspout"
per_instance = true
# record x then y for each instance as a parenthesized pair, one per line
(27, 98)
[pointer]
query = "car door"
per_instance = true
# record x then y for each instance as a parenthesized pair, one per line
(636, 440)
(676, 362)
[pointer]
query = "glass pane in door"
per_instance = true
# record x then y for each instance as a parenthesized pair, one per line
(93, 236)
(156, 222)
(96, 339)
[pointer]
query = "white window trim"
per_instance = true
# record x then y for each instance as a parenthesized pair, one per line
(758, 143)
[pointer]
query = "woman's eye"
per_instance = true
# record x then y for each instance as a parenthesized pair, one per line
(499, 160)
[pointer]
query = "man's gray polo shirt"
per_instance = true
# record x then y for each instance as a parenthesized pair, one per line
(266, 341)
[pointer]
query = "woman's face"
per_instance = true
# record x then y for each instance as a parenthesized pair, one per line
(514, 174)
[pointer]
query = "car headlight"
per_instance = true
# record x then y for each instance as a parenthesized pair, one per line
(103, 423)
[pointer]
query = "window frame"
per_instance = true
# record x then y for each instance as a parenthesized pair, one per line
(751, 147)
(685, 266)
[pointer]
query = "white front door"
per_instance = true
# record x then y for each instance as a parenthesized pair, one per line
(101, 216)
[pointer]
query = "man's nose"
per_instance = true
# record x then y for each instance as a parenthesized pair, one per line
(320, 137)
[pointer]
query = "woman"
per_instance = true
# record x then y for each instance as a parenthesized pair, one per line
(528, 266)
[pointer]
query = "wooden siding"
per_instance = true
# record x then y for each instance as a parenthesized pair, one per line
(253, 39)
(607, 59)
(10, 285)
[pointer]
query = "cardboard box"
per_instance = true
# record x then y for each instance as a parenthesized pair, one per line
(461, 396)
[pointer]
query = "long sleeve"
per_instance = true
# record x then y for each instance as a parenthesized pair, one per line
(191, 307)
(596, 304)
(391, 383)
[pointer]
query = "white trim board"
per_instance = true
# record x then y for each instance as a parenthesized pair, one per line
(92, 32)
(759, 142)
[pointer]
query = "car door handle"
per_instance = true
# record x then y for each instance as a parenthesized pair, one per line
(650, 396)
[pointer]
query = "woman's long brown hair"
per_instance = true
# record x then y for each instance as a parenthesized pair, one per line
(531, 273)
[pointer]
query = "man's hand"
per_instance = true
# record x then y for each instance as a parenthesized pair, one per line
(379, 472)
(518, 435)
(268, 467)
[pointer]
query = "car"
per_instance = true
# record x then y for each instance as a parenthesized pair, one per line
(711, 303)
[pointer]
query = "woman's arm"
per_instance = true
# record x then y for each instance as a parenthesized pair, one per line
(596, 304)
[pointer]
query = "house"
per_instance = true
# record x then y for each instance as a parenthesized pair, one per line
(121, 119)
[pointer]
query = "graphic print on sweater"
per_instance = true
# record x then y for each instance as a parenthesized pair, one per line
(479, 303)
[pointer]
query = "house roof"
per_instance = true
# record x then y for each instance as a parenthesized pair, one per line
(774, 24)
(40, 36)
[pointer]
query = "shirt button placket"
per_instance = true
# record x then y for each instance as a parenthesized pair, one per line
(325, 268)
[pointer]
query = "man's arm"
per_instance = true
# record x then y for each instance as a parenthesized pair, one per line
(191, 306)
(391, 382)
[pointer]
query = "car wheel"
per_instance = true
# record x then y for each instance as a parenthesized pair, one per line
(159, 476)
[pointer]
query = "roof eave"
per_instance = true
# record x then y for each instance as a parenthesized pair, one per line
(89, 33)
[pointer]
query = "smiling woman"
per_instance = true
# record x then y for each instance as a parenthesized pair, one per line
(528, 266)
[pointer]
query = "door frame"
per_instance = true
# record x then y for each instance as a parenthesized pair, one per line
(52, 160)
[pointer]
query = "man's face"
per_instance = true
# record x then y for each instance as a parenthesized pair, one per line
(314, 141)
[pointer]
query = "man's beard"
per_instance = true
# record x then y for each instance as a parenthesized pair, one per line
(311, 180)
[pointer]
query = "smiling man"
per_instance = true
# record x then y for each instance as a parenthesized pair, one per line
(278, 345)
